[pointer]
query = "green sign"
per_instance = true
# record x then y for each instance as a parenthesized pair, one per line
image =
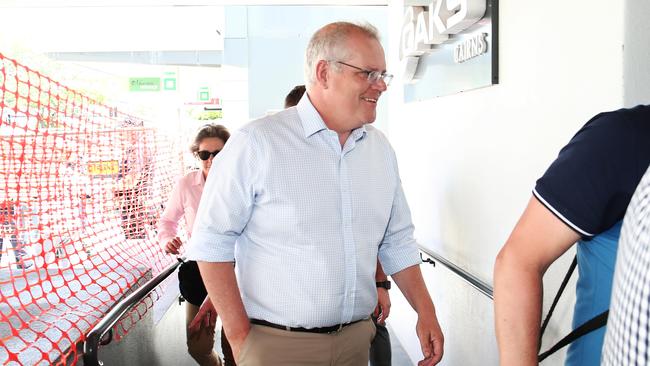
(204, 94)
(169, 83)
(145, 84)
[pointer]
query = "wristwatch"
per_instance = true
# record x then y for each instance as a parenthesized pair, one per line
(384, 284)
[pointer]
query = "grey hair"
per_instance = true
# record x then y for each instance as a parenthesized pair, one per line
(329, 43)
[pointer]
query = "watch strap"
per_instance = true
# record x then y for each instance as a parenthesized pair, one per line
(383, 284)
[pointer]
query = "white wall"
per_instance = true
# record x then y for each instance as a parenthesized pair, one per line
(469, 161)
(636, 53)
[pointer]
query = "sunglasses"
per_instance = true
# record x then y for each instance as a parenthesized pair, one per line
(205, 155)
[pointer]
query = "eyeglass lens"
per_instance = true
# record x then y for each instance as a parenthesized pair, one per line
(373, 76)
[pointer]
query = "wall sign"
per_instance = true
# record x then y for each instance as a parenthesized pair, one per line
(103, 167)
(144, 84)
(448, 46)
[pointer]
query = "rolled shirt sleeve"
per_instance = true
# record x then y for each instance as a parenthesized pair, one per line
(227, 201)
(399, 249)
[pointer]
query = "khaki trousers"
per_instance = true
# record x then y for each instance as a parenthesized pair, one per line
(270, 346)
(200, 346)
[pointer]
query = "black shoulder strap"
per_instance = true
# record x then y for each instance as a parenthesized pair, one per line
(587, 327)
(566, 279)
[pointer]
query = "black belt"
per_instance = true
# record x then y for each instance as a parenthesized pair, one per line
(330, 329)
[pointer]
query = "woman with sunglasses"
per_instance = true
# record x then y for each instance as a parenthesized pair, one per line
(183, 203)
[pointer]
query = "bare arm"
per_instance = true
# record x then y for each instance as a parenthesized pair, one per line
(221, 283)
(538, 239)
(379, 273)
(412, 285)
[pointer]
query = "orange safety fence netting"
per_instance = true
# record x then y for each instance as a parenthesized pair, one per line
(81, 189)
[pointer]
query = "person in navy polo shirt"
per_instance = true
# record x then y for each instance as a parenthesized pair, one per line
(581, 198)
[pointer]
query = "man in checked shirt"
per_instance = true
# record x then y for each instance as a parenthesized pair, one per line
(305, 201)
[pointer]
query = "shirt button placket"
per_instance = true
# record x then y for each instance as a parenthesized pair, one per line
(348, 241)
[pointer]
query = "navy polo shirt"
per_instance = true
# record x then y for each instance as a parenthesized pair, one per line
(588, 187)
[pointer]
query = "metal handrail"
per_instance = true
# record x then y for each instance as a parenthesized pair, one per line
(94, 337)
(474, 281)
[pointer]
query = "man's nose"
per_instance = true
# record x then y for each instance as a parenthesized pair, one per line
(380, 85)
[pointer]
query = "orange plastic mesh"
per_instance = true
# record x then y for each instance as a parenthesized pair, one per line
(81, 188)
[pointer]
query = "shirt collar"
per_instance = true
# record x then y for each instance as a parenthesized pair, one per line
(359, 133)
(312, 122)
(198, 178)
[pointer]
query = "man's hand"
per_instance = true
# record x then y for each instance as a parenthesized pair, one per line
(383, 305)
(412, 285)
(205, 318)
(173, 245)
(221, 283)
(431, 339)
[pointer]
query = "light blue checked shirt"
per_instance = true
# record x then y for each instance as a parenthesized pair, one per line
(627, 340)
(304, 218)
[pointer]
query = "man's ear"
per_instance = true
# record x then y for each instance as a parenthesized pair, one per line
(322, 73)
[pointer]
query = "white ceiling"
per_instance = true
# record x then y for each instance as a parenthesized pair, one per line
(121, 3)
(93, 29)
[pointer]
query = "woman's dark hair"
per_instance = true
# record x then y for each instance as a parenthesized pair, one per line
(206, 131)
(294, 96)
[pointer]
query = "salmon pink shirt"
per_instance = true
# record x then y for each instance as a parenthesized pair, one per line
(182, 203)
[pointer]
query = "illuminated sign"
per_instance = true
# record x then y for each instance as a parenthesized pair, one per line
(425, 28)
(144, 84)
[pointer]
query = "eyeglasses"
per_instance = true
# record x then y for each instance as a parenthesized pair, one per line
(371, 75)
(205, 155)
